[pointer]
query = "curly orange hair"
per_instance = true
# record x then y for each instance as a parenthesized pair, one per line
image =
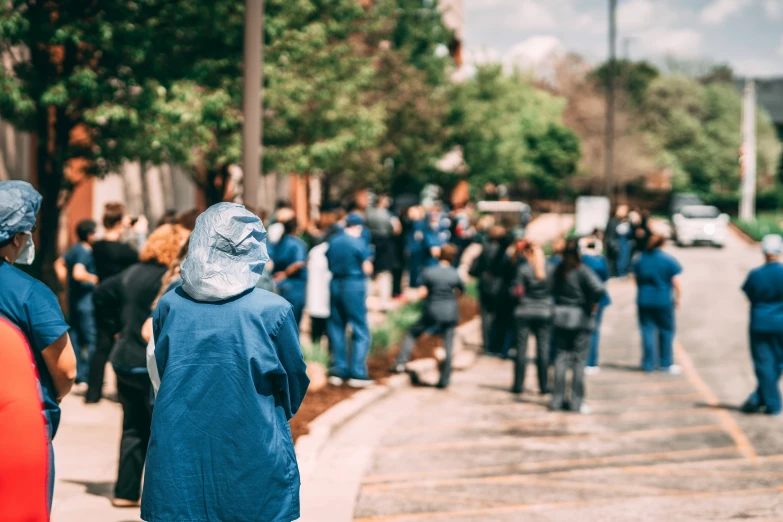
(164, 244)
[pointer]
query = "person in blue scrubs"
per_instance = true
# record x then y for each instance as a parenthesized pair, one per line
(231, 377)
(290, 273)
(77, 269)
(30, 306)
(593, 259)
(350, 262)
(764, 288)
(415, 245)
(658, 296)
(433, 240)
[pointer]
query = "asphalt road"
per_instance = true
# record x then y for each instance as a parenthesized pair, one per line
(658, 447)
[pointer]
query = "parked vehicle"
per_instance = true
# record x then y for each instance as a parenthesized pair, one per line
(700, 224)
(683, 199)
(514, 215)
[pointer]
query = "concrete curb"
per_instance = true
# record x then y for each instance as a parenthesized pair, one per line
(308, 447)
(744, 236)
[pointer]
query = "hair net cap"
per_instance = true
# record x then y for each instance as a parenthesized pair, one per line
(772, 244)
(227, 253)
(354, 219)
(19, 204)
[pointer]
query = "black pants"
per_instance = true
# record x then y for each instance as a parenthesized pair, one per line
(317, 328)
(134, 391)
(542, 329)
(103, 346)
(487, 320)
(571, 350)
(446, 329)
(397, 281)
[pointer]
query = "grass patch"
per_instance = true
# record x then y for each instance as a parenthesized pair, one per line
(766, 223)
(391, 331)
(314, 352)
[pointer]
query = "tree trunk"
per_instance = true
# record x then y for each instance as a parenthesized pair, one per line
(54, 135)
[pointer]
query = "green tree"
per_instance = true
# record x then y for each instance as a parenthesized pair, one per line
(67, 58)
(510, 131)
(632, 77)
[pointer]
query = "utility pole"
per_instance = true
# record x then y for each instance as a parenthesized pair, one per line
(252, 98)
(748, 159)
(609, 154)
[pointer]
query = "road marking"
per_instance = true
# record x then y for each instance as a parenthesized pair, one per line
(549, 418)
(522, 441)
(553, 505)
(551, 464)
(731, 426)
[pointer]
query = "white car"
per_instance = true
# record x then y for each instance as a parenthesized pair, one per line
(700, 224)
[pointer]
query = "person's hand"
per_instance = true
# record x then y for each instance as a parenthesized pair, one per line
(677, 303)
(518, 291)
(142, 225)
(280, 276)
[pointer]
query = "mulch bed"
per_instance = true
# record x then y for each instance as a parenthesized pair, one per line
(378, 364)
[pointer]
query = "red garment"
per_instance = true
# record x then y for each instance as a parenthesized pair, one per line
(23, 442)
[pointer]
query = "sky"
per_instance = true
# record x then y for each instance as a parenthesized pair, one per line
(746, 34)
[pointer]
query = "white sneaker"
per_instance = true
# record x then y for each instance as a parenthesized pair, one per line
(592, 370)
(585, 409)
(674, 369)
(335, 381)
(360, 383)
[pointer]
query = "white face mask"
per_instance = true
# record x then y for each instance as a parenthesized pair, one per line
(27, 255)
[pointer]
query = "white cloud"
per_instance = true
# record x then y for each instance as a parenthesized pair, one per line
(533, 15)
(774, 9)
(719, 10)
(547, 15)
(637, 15)
(759, 68)
(681, 42)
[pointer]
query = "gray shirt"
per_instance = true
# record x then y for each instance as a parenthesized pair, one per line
(581, 288)
(441, 282)
(379, 221)
(537, 300)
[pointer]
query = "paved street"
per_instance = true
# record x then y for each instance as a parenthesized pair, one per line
(657, 448)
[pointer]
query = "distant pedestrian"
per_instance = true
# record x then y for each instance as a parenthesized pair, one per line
(76, 268)
(612, 239)
(487, 268)
(577, 291)
(415, 245)
(112, 255)
(232, 376)
(133, 292)
(290, 268)
(31, 307)
(764, 289)
(441, 286)
(384, 228)
(23, 439)
(594, 259)
(433, 239)
(658, 296)
(318, 304)
(350, 262)
(533, 314)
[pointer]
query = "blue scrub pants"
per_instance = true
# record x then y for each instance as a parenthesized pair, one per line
(83, 335)
(592, 359)
(767, 352)
(624, 257)
(349, 305)
(293, 291)
(415, 264)
(657, 325)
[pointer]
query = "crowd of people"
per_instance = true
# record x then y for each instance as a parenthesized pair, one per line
(188, 318)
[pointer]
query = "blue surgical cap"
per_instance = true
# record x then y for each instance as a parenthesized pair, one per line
(227, 253)
(354, 219)
(19, 203)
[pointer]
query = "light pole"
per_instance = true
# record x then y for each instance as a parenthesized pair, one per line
(252, 98)
(609, 153)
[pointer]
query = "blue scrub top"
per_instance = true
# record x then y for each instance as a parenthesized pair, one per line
(33, 308)
(288, 251)
(598, 265)
(432, 238)
(232, 375)
(764, 288)
(78, 291)
(414, 240)
(654, 273)
(346, 255)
